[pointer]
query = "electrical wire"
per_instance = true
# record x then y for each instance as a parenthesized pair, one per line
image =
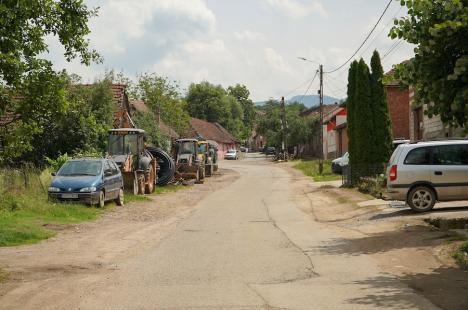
(392, 49)
(298, 87)
(365, 40)
(310, 85)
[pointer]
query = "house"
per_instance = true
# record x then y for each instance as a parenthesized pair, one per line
(212, 131)
(256, 141)
(312, 148)
(422, 127)
(335, 132)
(398, 107)
(409, 121)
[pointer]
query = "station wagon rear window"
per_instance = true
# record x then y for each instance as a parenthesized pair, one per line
(419, 156)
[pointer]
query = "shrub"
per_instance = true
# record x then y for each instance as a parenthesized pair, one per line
(55, 164)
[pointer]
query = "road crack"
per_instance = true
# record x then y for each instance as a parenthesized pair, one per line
(304, 252)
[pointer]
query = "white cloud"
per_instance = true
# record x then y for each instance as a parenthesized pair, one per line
(296, 9)
(248, 35)
(276, 61)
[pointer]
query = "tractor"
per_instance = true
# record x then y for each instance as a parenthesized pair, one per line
(213, 151)
(190, 162)
(205, 155)
(138, 166)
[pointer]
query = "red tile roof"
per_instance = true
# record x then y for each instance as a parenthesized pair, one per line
(209, 131)
(139, 106)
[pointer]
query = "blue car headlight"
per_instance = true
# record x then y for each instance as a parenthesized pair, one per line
(88, 189)
(54, 189)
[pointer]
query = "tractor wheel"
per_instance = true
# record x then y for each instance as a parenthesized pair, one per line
(120, 198)
(141, 184)
(209, 170)
(202, 173)
(135, 186)
(150, 181)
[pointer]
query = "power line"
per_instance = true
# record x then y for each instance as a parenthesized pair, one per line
(383, 29)
(310, 85)
(392, 49)
(365, 40)
(298, 87)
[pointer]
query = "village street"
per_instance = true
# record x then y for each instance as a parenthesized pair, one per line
(250, 244)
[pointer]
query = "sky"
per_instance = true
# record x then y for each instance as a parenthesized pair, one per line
(252, 42)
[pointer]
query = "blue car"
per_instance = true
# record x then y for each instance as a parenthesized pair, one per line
(89, 180)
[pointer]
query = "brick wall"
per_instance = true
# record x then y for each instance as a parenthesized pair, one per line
(399, 108)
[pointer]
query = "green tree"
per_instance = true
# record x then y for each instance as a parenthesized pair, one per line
(23, 28)
(352, 119)
(155, 137)
(382, 128)
(79, 129)
(363, 113)
(163, 97)
(214, 104)
(242, 95)
(439, 70)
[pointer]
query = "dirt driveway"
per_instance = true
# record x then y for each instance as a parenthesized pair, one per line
(96, 248)
(401, 241)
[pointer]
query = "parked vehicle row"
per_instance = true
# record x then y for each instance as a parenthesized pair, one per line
(132, 166)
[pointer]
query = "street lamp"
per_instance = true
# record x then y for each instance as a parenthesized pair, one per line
(320, 92)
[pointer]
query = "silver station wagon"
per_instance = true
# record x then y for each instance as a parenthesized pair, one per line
(425, 172)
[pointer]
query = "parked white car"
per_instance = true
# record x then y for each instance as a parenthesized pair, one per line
(339, 164)
(231, 154)
(425, 172)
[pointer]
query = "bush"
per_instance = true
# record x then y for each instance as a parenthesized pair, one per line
(55, 164)
(373, 186)
(461, 256)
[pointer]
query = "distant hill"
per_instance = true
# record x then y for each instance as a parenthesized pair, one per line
(309, 101)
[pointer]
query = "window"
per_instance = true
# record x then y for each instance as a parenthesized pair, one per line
(419, 156)
(451, 155)
(108, 167)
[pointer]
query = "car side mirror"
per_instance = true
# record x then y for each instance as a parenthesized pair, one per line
(107, 173)
(53, 174)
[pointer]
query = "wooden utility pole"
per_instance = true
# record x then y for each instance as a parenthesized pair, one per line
(321, 121)
(284, 145)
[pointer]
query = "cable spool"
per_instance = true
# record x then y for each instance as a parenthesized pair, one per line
(166, 169)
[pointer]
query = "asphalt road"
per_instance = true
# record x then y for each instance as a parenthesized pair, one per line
(246, 246)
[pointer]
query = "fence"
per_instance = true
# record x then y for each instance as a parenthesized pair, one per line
(16, 181)
(353, 174)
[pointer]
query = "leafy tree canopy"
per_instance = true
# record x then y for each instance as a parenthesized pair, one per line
(163, 97)
(439, 70)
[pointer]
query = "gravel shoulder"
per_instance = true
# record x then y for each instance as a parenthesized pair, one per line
(402, 242)
(93, 249)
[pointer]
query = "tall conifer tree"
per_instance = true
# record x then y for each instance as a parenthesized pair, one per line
(363, 116)
(351, 111)
(382, 131)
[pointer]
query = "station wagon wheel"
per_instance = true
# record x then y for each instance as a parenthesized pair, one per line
(421, 199)
(102, 199)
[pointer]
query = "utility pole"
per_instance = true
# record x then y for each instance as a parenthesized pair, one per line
(284, 145)
(321, 121)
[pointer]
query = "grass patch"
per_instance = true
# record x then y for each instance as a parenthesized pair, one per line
(169, 188)
(461, 255)
(3, 276)
(24, 224)
(130, 197)
(25, 209)
(311, 168)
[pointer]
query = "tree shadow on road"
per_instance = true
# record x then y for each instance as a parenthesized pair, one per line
(445, 287)
(410, 237)
(410, 213)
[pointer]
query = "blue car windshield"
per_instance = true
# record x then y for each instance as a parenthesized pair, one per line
(75, 168)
